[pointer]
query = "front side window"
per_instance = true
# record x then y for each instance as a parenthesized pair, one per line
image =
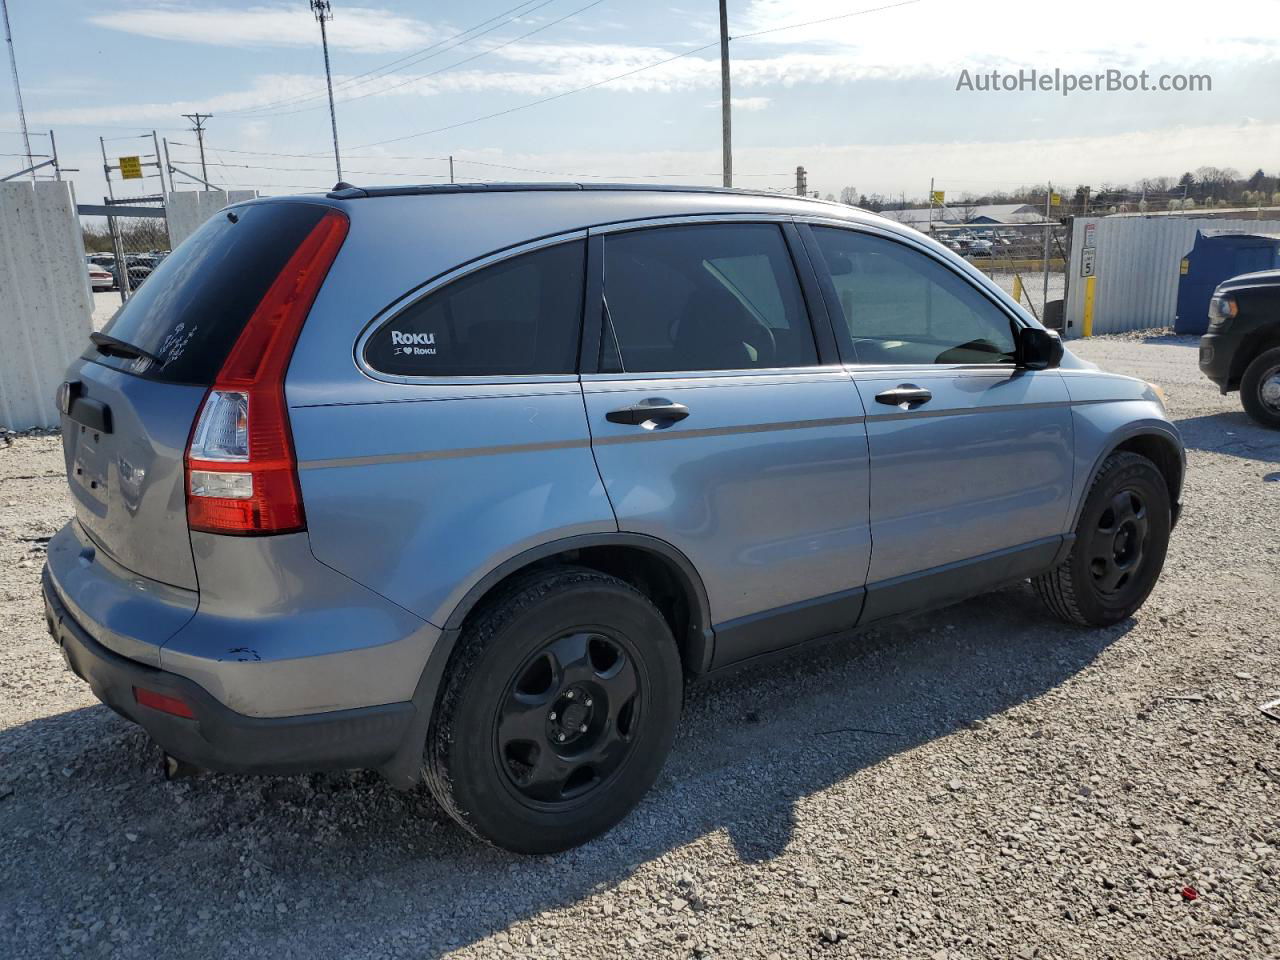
(518, 317)
(902, 307)
(720, 296)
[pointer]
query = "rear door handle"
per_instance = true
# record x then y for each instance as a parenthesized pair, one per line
(654, 408)
(905, 395)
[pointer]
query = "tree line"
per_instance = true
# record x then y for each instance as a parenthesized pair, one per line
(1203, 188)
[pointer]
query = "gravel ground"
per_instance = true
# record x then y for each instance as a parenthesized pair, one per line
(977, 782)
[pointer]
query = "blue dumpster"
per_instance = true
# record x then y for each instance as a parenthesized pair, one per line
(1218, 255)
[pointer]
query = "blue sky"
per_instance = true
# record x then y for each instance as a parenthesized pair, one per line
(868, 101)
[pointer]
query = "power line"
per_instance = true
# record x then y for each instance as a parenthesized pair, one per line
(629, 73)
(839, 16)
(391, 67)
(535, 103)
(481, 163)
(452, 66)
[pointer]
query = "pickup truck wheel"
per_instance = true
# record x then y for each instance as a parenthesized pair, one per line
(558, 711)
(1120, 545)
(1260, 388)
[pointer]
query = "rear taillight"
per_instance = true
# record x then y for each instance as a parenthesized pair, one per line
(242, 474)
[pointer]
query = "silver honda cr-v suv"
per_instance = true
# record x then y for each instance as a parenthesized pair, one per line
(465, 484)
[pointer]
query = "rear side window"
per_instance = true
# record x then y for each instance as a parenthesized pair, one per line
(190, 311)
(703, 297)
(520, 316)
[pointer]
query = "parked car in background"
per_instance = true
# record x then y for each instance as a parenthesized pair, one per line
(107, 262)
(139, 266)
(357, 488)
(100, 277)
(1241, 349)
(968, 245)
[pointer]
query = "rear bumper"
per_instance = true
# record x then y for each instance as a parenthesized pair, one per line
(219, 738)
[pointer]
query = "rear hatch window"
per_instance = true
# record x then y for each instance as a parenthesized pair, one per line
(189, 312)
(125, 433)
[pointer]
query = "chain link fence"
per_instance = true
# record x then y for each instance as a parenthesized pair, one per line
(1014, 257)
(127, 246)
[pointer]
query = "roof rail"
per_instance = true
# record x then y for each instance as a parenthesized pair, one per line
(345, 191)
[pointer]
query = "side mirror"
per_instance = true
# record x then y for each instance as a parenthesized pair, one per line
(1039, 349)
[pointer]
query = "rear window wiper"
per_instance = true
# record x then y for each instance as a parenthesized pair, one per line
(114, 346)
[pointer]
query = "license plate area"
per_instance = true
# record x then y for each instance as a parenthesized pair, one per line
(88, 463)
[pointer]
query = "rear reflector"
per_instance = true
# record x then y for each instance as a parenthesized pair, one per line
(162, 702)
(242, 473)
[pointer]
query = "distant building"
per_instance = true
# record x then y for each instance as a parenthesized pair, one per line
(954, 215)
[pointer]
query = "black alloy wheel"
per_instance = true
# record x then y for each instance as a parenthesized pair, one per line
(558, 709)
(1119, 541)
(566, 724)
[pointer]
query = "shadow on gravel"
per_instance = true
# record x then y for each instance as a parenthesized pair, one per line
(1231, 433)
(339, 864)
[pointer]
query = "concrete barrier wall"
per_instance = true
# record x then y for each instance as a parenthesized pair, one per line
(45, 301)
(188, 209)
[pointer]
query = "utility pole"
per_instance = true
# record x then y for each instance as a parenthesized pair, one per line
(198, 119)
(1048, 232)
(17, 89)
(160, 166)
(726, 112)
(324, 14)
(802, 182)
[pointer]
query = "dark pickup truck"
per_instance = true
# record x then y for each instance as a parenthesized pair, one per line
(1241, 350)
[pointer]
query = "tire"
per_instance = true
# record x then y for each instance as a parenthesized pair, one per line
(557, 712)
(1120, 545)
(1260, 388)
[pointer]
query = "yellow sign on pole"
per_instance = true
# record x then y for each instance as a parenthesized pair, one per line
(130, 168)
(938, 196)
(1055, 199)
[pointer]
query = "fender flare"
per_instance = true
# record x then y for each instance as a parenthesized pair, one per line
(1150, 428)
(404, 769)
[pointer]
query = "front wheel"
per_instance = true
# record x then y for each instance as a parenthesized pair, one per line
(1120, 545)
(558, 711)
(1260, 388)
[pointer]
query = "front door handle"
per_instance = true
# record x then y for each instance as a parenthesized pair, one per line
(905, 395)
(654, 409)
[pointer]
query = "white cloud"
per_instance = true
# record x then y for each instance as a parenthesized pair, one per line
(931, 38)
(265, 89)
(745, 104)
(360, 29)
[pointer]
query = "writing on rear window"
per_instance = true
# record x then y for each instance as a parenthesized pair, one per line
(194, 306)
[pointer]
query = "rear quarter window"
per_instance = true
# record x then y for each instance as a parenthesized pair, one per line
(192, 308)
(519, 317)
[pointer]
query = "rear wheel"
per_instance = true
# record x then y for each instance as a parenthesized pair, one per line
(1120, 545)
(1260, 388)
(558, 711)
